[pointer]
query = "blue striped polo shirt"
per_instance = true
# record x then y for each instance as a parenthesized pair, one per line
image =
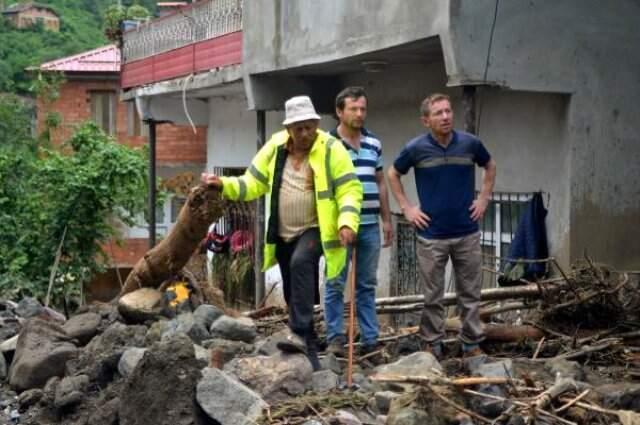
(367, 161)
(445, 181)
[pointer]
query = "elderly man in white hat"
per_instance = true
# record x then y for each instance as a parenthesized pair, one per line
(314, 210)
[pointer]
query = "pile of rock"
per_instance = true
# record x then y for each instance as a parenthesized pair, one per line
(130, 365)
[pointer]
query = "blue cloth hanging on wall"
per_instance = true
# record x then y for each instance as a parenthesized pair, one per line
(529, 243)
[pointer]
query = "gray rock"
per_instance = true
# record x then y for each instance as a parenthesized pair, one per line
(70, 391)
(364, 383)
(28, 398)
(418, 363)
(186, 324)
(330, 362)
(9, 325)
(83, 327)
(566, 369)
(129, 360)
(237, 329)
(383, 400)
(206, 314)
(202, 353)
(50, 389)
(154, 334)
(99, 359)
(268, 346)
(343, 417)
(3, 367)
(226, 400)
(161, 390)
(471, 364)
(107, 414)
(312, 422)
(227, 348)
(623, 396)
(42, 351)
(29, 307)
(275, 377)
(414, 364)
(500, 369)
(324, 380)
(489, 407)
(141, 305)
(9, 345)
(409, 416)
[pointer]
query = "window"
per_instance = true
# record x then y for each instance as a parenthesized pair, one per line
(103, 110)
(135, 125)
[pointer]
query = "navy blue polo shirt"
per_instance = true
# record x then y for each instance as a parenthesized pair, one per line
(445, 181)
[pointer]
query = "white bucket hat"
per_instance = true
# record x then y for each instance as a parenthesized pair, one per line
(299, 108)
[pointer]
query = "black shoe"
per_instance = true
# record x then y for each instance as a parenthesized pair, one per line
(372, 353)
(293, 343)
(336, 346)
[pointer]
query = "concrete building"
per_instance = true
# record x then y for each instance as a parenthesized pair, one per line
(550, 105)
(90, 91)
(24, 15)
(550, 88)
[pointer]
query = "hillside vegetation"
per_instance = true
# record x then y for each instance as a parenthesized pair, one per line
(81, 29)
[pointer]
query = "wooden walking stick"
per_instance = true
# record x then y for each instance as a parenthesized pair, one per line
(352, 315)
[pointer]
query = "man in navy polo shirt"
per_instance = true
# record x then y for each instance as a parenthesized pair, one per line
(365, 150)
(447, 218)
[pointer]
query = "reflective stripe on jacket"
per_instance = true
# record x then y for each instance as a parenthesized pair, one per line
(338, 193)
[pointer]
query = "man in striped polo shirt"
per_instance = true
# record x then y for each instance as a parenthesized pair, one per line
(366, 153)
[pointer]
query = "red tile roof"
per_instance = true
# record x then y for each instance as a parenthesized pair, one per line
(102, 59)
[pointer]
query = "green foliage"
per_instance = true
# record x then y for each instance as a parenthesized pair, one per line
(81, 29)
(85, 191)
(233, 273)
(116, 14)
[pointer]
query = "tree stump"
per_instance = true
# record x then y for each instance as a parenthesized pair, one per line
(204, 205)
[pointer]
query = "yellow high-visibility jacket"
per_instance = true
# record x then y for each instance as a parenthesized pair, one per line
(338, 193)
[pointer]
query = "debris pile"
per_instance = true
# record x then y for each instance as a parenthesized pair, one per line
(573, 359)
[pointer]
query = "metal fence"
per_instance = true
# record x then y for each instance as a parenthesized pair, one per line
(201, 21)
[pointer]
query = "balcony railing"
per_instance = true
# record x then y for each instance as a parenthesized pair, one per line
(200, 21)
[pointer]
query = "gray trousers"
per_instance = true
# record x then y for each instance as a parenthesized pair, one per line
(466, 258)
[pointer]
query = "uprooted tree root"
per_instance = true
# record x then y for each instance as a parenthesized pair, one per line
(595, 296)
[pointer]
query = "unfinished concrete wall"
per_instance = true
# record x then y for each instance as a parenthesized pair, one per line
(583, 48)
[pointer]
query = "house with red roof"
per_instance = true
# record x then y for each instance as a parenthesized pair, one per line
(91, 91)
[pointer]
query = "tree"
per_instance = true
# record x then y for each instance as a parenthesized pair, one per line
(81, 193)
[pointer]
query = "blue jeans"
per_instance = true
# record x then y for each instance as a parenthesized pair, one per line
(367, 255)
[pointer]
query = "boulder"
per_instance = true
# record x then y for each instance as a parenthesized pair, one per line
(29, 307)
(161, 390)
(227, 348)
(226, 400)
(129, 360)
(42, 351)
(410, 416)
(141, 305)
(70, 391)
(275, 377)
(237, 329)
(206, 314)
(324, 381)
(99, 359)
(3, 367)
(83, 327)
(186, 324)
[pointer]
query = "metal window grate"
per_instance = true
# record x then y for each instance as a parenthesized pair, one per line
(497, 229)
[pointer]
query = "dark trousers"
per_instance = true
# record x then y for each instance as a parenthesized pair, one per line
(298, 260)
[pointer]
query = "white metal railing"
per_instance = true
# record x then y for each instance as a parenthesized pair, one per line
(202, 21)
